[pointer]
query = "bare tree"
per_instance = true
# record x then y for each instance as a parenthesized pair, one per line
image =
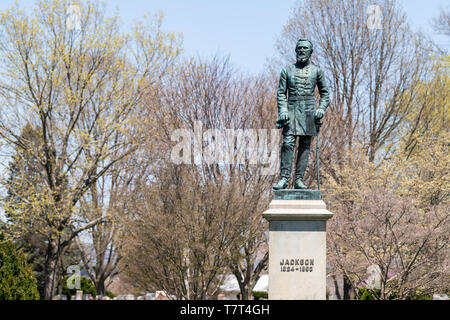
(441, 24)
(194, 222)
(369, 69)
(100, 257)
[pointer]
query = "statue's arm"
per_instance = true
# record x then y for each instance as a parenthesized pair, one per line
(282, 93)
(323, 90)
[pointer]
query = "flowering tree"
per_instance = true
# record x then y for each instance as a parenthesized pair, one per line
(79, 83)
(380, 221)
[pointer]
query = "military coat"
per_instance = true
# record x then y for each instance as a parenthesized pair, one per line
(295, 96)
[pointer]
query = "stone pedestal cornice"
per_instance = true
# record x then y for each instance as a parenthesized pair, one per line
(297, 210)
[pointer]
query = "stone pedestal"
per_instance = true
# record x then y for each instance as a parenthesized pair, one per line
(297, 245)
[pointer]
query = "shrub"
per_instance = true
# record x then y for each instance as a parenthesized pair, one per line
(257, 295)
(368, 294)
(110, 295)
(17, 281)
(86, 285)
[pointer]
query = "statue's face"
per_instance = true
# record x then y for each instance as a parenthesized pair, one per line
(303, 51)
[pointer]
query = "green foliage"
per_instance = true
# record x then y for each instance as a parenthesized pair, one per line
(420, 296)
(368, 294)
(17, 281)
(86, 285)
(110, 295)
(374, 294)
(257, 295)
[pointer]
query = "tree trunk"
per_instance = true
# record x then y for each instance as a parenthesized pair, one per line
(247, 292)
(60, 287)
(100, 287)
(50, 269)
(244, 292)
(245, 287)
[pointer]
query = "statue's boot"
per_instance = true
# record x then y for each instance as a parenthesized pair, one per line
(302, 161)
(282, 184)
(299, 184)
(287, 152)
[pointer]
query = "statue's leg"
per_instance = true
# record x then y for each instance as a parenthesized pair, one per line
(304, 147)
(287, 153)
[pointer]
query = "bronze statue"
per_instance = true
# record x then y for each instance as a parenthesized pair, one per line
(297, 113)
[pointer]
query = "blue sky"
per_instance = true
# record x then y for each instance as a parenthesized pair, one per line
(244, 29)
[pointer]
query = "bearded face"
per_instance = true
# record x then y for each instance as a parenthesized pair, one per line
(303, 51)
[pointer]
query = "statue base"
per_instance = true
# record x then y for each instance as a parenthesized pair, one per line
(297, 194)
(297, 245)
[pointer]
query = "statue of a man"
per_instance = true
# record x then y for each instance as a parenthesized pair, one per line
(297, 113)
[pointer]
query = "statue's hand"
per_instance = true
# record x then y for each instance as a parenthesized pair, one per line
(283, 119)
(319, 114)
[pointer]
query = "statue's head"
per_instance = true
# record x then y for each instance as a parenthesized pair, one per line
(303, 50)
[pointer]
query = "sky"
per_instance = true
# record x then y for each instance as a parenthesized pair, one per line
(246, 30)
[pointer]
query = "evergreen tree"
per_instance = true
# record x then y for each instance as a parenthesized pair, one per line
(17, 281)
(26, 180)
(25, 177)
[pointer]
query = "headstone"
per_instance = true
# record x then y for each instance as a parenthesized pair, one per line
(440, 297)
(150, 296)
(79, 295)
(297, 245)
(160, 295)
(129, 297)
(374, 279)
(87, 297)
